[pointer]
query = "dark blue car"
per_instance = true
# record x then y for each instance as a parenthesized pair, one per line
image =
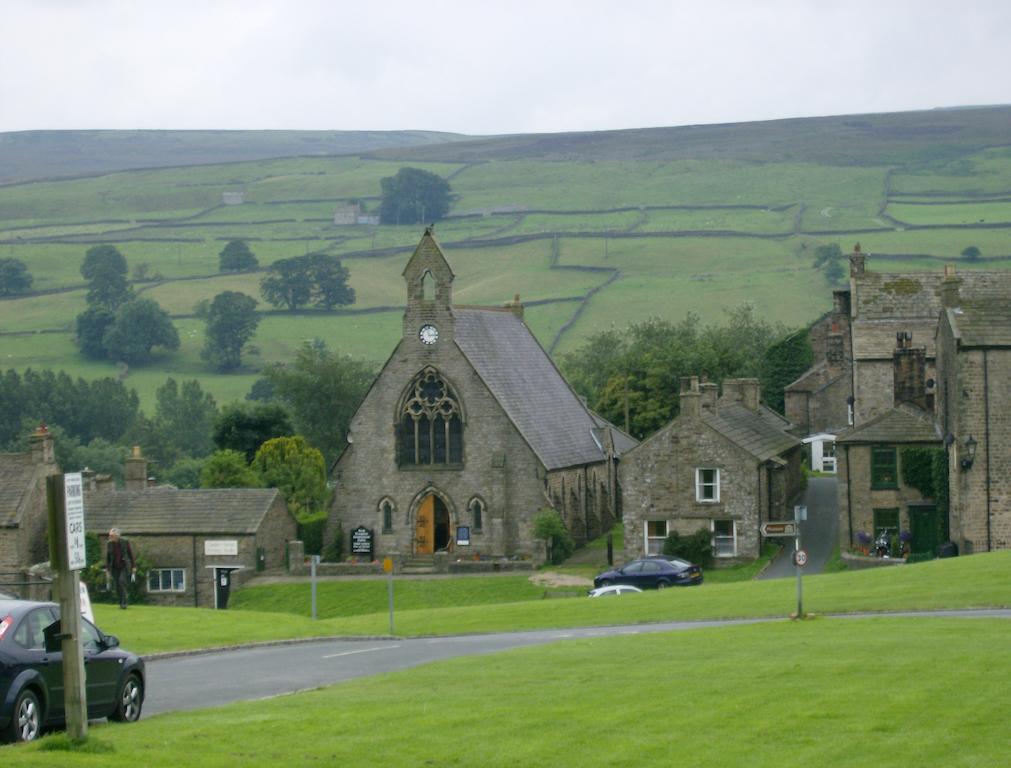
(31, 678)
(653, 573)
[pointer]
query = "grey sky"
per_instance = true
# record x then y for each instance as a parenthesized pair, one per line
(482, 67)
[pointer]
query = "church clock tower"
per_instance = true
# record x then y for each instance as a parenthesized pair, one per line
(428, 320)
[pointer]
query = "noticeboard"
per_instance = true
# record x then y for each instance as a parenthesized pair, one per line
(361, 541)
(463, 535)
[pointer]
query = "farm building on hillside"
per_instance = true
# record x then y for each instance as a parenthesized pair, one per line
(467, 433)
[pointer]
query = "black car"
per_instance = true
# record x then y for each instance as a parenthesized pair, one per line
(653, 572)
(31, 678)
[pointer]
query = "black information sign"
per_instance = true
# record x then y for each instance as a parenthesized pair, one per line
(361, 541)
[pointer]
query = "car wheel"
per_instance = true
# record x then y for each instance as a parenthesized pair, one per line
(131, 699)
(26, 721)
(662, 584)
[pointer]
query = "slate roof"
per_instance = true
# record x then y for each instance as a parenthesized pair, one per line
(168, 510)
(903, 424)
(875, 339)
(623, 441)
(16, 470)
(754, 432)
(521, 376)
(981, 323)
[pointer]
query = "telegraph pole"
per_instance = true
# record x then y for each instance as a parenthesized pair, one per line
(65, 500)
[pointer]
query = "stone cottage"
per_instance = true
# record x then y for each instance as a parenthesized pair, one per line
(468, 431)
(973, 398)
(724, 464)
(199, 544)
(23, 516)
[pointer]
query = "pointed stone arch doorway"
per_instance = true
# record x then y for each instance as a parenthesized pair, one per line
(432, 530)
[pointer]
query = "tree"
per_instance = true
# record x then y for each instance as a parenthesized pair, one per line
(971, 253)
(182, 424)
(548, 525)
(14, 277)
(783, 362)
(185, 473)
(296, 469)
(236, 256)
(288, 283)
(322, 391)
(413, 196)
(831, 258)
(228, 469)
(330, 282)
(231, 322)
(244, 427)
(92, 325)
(104, 268)
(140, 325)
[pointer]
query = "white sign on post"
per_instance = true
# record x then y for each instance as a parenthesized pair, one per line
(73, 495)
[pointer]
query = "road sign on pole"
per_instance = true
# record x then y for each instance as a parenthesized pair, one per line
(800, 513)
(73, 495)
(800, 558)
(784, 528)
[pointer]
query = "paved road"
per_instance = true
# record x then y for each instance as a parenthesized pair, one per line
(223, 677)
(818, 534)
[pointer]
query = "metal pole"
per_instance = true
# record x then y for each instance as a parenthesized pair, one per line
(313, 559)
(389, 589)
(796, 549)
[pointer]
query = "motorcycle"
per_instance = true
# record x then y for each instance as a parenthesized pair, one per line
(883, 545)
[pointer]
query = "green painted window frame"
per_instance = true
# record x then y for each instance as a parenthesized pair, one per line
(887, 518)
(884, 467)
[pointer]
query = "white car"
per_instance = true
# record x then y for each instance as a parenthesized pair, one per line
(613, 589)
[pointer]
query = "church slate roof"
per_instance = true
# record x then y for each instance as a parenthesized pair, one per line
(16, 474)
(179, 511)
(903, 424)
(756, 433)
(524, 380)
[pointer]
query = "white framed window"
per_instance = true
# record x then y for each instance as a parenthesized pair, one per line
(724, 539)
(707, 485)
(654, 535)
(166, 580)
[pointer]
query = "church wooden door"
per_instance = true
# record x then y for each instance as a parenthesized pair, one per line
(424, 527)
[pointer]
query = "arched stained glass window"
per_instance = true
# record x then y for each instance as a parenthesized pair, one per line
(431, 424)
(386, 515)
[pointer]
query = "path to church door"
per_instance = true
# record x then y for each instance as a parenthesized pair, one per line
(431, 529)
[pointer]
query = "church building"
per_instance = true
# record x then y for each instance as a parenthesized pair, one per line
(468, 432)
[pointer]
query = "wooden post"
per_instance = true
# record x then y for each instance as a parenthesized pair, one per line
(69, 589)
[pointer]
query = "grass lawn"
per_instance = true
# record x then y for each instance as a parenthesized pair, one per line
(964, 582)
(813, 693)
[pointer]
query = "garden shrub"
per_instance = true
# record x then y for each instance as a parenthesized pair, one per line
(310, 531)
(696, 547)
(548, 525)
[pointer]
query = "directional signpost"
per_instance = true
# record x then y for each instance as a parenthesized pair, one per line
(791, 529)
(388, 568)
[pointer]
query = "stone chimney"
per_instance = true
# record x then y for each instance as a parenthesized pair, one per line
(515, 306)
(857, 261)
(43, 450)
(835, 348)
(135, 471)
(708, 393)
(950, 297)
(690, 397)
(743, 391)
(909, 368)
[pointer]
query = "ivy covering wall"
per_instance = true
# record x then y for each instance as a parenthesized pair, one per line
(926, 470)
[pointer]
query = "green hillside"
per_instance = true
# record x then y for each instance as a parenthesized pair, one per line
(591, 230)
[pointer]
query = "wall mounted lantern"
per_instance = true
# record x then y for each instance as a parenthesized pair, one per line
(970, 453)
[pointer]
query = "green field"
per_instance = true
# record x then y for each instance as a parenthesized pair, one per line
(861, 692)
(672, 220)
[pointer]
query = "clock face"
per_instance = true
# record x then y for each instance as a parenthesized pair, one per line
(428, 334)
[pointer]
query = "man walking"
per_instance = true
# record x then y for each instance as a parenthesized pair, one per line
(119, 562)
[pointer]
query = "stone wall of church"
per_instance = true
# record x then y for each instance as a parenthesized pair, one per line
(582, 496)
(498, 467)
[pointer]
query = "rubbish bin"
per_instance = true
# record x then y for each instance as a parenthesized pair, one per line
(948, 549)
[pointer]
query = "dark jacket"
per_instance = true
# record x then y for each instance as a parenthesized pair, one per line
(119, 555)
